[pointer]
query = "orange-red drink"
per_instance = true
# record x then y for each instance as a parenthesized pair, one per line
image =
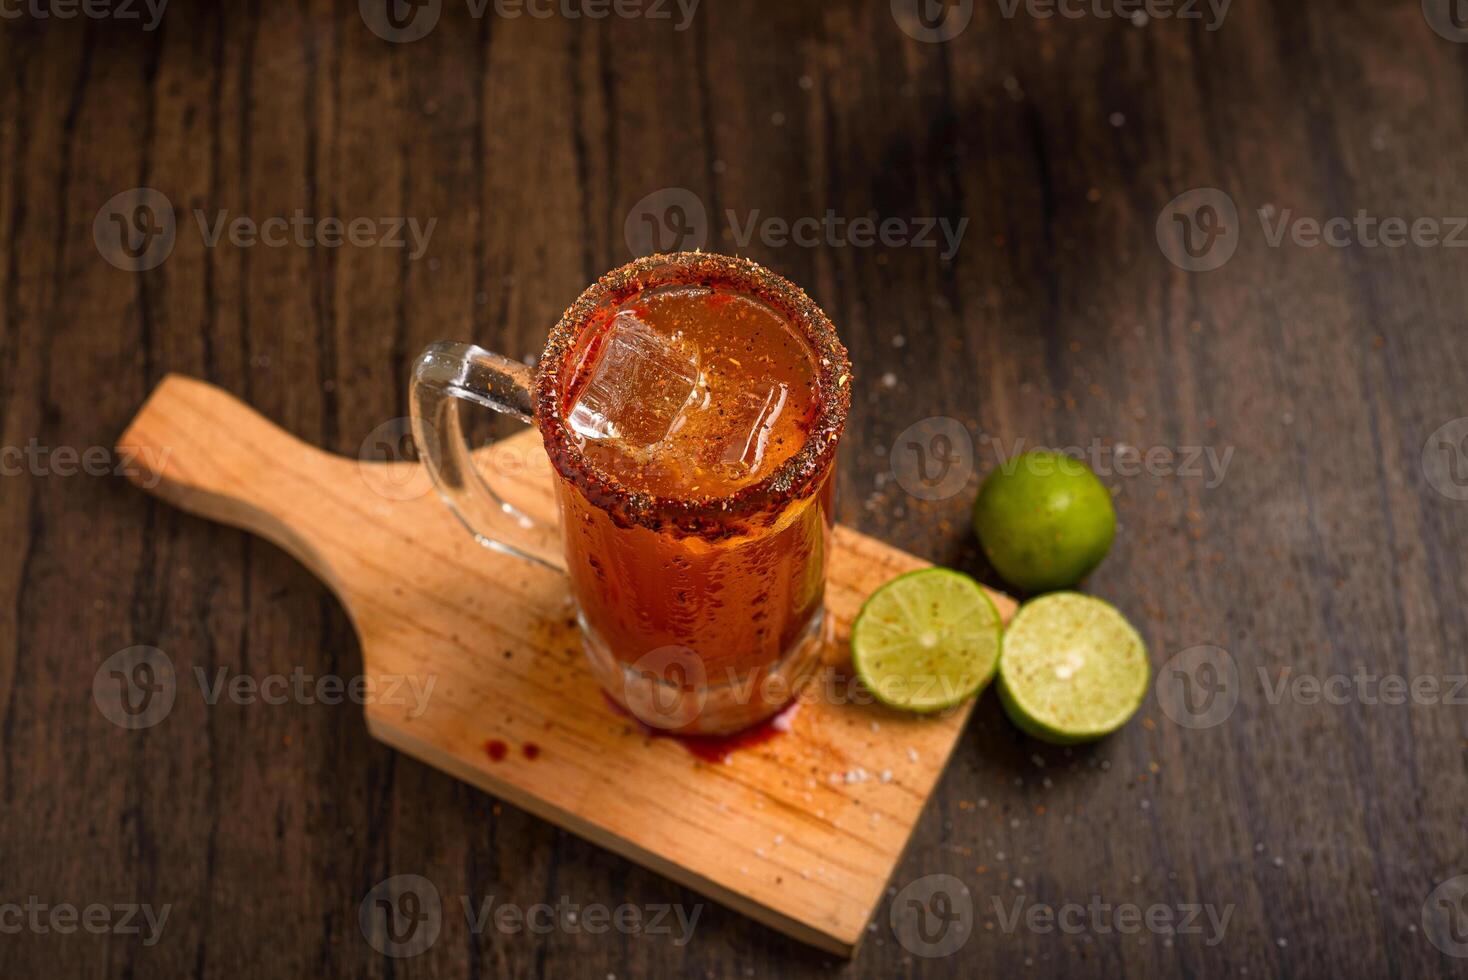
(691, 406)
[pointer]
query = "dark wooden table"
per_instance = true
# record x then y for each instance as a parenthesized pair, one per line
(1331, 544)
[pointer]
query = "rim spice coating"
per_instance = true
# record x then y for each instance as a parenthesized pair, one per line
(711, 515)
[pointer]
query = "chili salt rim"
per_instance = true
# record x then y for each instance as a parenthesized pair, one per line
(709, 515)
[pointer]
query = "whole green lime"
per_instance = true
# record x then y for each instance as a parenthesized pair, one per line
(1044, 520)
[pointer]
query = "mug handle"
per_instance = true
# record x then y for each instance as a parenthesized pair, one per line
(445, 375)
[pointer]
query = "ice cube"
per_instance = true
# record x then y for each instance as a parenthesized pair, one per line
(639, 386)
(749, 419)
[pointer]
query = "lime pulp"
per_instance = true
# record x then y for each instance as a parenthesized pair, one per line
(1072, 669)
(927, 640)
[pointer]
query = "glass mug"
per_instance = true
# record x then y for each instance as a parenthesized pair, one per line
(690, 405)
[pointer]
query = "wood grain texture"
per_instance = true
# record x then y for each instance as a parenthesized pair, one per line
(1323, 549)
(464, 648)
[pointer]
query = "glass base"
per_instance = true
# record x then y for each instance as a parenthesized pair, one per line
(668, 688)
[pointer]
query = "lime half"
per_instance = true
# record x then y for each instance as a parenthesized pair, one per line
(926, 640)
(1073, 669)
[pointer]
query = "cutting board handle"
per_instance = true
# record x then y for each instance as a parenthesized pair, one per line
(206, 452)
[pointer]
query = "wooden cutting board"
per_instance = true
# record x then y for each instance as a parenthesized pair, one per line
(800, 831)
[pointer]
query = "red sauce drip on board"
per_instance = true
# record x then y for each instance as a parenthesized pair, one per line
(530, 750)
(495, 749)
(715, 748)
